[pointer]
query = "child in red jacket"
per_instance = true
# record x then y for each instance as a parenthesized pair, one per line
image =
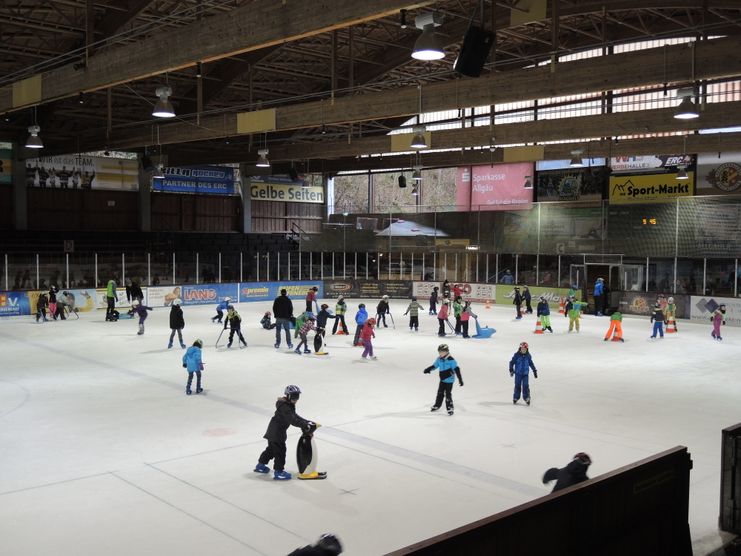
(365, 335)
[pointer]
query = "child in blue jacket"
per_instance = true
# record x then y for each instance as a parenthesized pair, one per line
(192, 361)
(449, 370)
(519, 367)
(220, 308)
(142, 311)
(657, 317)
(360, 317)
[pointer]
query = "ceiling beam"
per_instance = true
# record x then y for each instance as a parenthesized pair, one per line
(719, 58)
(113, 22)
(256, 25)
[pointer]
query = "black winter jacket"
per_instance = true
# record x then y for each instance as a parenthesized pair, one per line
(382, 308)
(321, 318)
(573, 474)
(285, 416)
(282, 307)
(177, 321)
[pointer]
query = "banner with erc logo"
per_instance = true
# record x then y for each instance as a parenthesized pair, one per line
(719, 175)
(631, 164)
(506, 294)
(211, 180)
(13, 304)
(702, 308)
(471, 291)
(649, 188)
(283, 189)
(498, 187)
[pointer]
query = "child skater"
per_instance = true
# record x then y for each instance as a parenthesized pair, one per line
(382, 310)
(466, 315)
(526, 297)
(457, 310)
(449, 370)
(285, 416)
(303, 333)
(220, 308)
(321, 326)
(718, 318)
(616, 324)
(41, 305)
(365, 335)
(177, 323)
(234, 322)
(574, 313)
(657, 317)
(433, 301)
(266, 321)
(671, 313)
(142, 311)
(519, 367)
(193, 362)
(442, 316)
(413, 311)
(543, 312)
(517, 302)
(360, 317)
(340, 309)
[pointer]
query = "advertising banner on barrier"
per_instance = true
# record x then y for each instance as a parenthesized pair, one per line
(642, 303)
(471, 291)
(367, 289)
(702, 307)
(163, 296)
(650, 188)
(13, 304)
(267, 291)
(208, 293)
(101, 301)
(506, 294)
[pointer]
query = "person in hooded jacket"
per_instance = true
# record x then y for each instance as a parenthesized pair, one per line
(442, 316)
(193, 362)
(413, 312)
(53, 302)
(517, 302)
(657, 317)
(285, 416)
(360, 317)
(220, 308)
(136, 291)
(111, 297)
(234, 322)
(519, 367)
(433, 301)
(573, 474)
(527, 298)
(449, 370)
(340, 309)
(382, 310)
(327, 545)
(718, 318)
(543, 311)
(143, 311)
(41, 304)
(177, 323)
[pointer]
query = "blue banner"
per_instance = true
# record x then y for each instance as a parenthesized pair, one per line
(212, 180)
(267, 291)
(209, 293)
(13, 304)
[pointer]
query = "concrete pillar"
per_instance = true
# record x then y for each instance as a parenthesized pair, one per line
(145, 199)
(246, 201)
(20, 193)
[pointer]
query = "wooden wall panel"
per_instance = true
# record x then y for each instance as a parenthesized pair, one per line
(268, 216)
(195, 213)
(70, 209)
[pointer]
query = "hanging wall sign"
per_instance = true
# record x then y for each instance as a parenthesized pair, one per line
(649, 188)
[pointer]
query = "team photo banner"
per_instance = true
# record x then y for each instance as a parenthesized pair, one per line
(650, 188)
(82, 172)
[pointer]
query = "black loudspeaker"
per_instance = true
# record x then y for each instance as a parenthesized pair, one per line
(293, 173)
(475, 50)
(147, 164)
(402, 181)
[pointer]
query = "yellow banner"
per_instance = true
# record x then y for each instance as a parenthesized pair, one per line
(285, 193)
(650, 188)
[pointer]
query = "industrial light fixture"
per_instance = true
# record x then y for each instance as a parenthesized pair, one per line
(34, 141)
(199, 69)
(163, 108)
(415, 189)
(427, 46)
(417, 174)
(418, 141)
(262, 160)
(682, 173)
(472, 247)
(687, 110)
(81, 98)
(403, 19)
(576, 161)
(159, 171)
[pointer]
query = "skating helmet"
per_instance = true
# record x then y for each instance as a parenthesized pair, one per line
(292, 392)
(371, 321)
(443, 347)
(722, 308)
(330, 544)
(517, 288)
(524, 345)
(227, 299)
(230, 307)
(670, 300)
(583, 458)
(361, 306)
(341, 298)
(325, 306)
(385, 297)
(198, 343)
(542, 298)
(135, 303)
(176, 302)
(414, 299)
(657, 305)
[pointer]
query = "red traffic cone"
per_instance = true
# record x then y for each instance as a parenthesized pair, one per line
(538, 327)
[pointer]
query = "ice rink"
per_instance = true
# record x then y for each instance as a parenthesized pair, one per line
(103, 453)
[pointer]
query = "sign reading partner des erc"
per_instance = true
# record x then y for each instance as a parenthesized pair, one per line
(291, 192)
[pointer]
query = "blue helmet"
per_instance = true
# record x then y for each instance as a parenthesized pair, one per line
(292, 392)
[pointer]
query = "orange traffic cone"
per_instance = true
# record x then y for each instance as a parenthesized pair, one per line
(561, 306)
(488, 304)
(538, 327)
(671, 327)
(340, 333)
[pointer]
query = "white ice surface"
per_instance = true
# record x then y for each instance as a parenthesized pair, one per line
(103, 453)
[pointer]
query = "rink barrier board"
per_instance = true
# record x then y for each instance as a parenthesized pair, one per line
(642, 303)
(702, 307)
(641, 509)
(472, 291)
(506, 294)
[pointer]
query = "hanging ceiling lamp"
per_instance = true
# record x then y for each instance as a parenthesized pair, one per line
(418, 141)
(428, 46)
(34, 141)
(417, 174)
(687, 110)
(576, 161)
(682, 173)
(163, 108)
(262, 160)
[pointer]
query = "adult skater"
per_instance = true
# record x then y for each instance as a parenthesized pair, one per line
(573, 474)
(127, 283)
(433, 301)
(283, 311)
(517, 302)
(142, 311)
(321, 326)
(311, 299)
(193, 362)
(449, 370)
(442, 316)
(519, 367)
(234, 322)
(340, 309)
(526, 297)
(366, 335)
(413, 312)
(466, 315)
(285, 416)
(508, 278)
(616, 325)
(599, 288)
(177, 323)
(220, 308)
(382, 309)
(327, 545)
(62, 305)
(111, 297)
(136, 291)
(657, 317)
(543, 312)
(360, 317)
(41, 304)
(718, 318)
(457, 310)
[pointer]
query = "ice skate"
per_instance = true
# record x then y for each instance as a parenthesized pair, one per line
(169, 346)
(199, 390)
(229, 345)
(297, 351)
(260, 468)
(290, 346)
(277, 346)
(434, 408)
(514, 401)
(307, 350)
(527, 401)
(450, 412)
(374, 357)
(188, 392)
(242, 345)
(281, 476)
(182, 345)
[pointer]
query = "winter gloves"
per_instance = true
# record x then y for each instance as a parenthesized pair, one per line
(535, 374)
(428, 370)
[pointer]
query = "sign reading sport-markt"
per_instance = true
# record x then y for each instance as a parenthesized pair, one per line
(650, 188)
